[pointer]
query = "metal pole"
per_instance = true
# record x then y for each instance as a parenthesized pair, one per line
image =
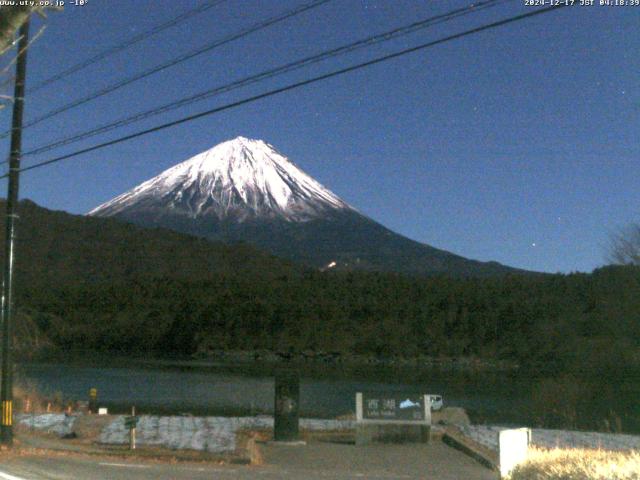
(6, 390)
(132, 431)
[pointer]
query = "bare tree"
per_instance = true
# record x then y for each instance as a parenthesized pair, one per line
(625, 246)
(11, 19)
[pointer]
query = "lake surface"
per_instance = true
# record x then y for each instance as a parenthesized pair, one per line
(325, 391)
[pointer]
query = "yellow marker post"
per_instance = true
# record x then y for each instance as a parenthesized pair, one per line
(7, 413)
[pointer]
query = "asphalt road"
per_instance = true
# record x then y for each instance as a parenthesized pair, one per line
(321, 461)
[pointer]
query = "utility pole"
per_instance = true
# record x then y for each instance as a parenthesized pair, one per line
(6, 389)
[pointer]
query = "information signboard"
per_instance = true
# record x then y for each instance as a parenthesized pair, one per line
(401, 408)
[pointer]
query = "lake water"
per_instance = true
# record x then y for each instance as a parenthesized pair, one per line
(325, 391)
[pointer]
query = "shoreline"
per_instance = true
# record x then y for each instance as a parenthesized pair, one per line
(264, 358)
(356, 360)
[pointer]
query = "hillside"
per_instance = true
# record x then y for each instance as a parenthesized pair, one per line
(98, 285)
(57, 248)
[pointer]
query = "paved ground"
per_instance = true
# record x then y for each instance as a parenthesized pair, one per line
(408, 461)
(316, 461)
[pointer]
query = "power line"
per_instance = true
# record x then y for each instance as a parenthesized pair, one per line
(182, 58)
(289, 67)
(126, 44)
(294, 86)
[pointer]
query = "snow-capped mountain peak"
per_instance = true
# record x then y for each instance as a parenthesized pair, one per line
(238, 179)
(243, 190)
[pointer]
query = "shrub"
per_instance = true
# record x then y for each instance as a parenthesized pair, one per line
(578, 464)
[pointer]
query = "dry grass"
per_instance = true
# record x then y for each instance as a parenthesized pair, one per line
(27, 399)
(88, 427)
(578, 464)
(253, 451)
(247, 444)
(450, 416)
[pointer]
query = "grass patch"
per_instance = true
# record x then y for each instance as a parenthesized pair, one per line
(578, 464)
(28, 399)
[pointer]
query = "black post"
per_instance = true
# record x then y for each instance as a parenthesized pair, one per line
(6, 390)
(287, 399)
(93, 400)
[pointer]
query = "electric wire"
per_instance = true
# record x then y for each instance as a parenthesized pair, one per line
(267, 74)
(296, 85)
(182, 58)
(126, 44)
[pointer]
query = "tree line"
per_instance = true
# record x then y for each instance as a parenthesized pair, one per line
(586, 322)
(105, 285)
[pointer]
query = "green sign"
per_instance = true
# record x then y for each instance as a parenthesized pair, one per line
(131, 422)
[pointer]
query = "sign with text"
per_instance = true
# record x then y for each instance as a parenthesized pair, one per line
(393, 408)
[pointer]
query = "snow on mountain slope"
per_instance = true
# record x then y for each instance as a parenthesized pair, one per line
(238, 179)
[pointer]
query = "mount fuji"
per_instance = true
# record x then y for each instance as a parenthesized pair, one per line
(244, 190)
